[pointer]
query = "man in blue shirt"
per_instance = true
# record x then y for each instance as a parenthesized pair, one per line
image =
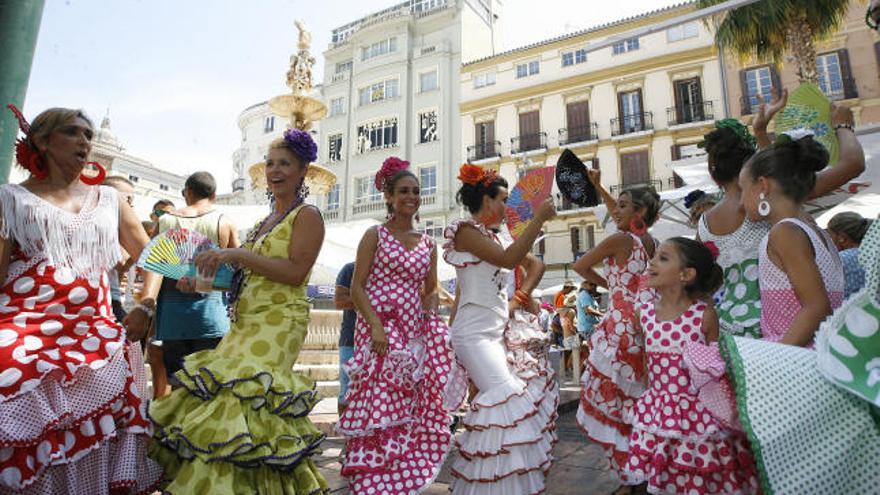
(342, 300)
(588, 313)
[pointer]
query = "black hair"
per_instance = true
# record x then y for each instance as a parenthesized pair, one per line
(696, 255)
(391, 183)
(202, 185)
(645, 197)
(162, 203)
(793, 164)
(472, 196)
(727, 152)
(850, 224)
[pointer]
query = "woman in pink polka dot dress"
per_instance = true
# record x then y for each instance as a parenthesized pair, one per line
(396, 426)
(72, 404)
(676, 446)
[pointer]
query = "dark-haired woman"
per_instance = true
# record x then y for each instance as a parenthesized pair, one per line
(396, 426)
(239, 423)
(72, 389)
(614, 375)
(847, 230)
(508, 438)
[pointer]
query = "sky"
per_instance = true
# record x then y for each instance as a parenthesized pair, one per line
(174, 75)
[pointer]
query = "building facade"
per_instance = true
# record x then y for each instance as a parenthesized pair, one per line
(629, 110)
(391, 83)
(848, 63)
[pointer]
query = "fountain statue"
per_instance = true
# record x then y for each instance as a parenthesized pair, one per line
(300, 110)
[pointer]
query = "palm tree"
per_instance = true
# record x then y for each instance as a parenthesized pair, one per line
(769, 28)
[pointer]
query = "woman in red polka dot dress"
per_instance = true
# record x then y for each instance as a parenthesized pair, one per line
(396, 426)
(72, 404)
(676, 446)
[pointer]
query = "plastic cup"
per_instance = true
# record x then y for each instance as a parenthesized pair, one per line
(204, 283)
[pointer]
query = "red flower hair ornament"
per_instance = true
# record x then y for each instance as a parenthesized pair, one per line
(29, 157)
(712, 249)
(390, 166)
(475, 175)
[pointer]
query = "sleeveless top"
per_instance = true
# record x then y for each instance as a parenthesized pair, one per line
(779, 302)
(739, 307)
(479, 282)
(207, 224)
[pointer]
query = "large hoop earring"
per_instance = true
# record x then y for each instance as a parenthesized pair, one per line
(764, 206)
(638, 227)
(96, 180)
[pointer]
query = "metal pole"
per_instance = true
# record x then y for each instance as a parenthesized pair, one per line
(19, 25)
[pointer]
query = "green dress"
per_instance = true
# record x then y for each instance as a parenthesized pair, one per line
(239, 425)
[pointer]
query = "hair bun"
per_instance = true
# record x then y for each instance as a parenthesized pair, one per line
(811, 154)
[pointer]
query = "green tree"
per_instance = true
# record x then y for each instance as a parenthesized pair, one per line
(769, 28)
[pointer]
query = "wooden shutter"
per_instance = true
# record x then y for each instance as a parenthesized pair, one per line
(591, 236)
(575, 233)
(529, 127)
(634, 168)
(849, 85)
(578, 121)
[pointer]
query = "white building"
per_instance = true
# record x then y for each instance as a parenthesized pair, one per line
(391, 83)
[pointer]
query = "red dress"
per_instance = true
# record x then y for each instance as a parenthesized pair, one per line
(614, 376)
(71, 390)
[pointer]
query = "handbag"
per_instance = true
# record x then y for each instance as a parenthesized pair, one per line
(848, 342)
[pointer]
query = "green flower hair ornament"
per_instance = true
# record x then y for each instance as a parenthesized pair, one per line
(737, 127)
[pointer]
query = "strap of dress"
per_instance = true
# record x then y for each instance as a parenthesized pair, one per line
(819, 246)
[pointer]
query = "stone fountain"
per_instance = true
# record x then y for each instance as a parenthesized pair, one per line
(300, 110)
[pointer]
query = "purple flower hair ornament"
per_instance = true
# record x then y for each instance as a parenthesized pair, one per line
(301, 144)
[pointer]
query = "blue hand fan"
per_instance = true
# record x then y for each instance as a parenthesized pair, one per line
(172, 252)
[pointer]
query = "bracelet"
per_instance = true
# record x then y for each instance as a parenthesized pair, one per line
(146, 309)
(844, 126)
(522, 297)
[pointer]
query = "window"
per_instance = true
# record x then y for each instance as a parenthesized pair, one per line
(484, 79)
(591, 237)
(384, 90)
(426, 5)
(379, 48)
(433, 228)
(333, 198)
(334, 145)
(163, 187)
(428, 180)
(337, 106)
(577, 118)
(624, 46)
(630, 107)
(758, 86)
(366, 190)
(377, 135)
(343, 67)
(575, 57)
(528, 69)
(830, 75)
(689, 101)
(134, 178)
(428, 126)
(428, 81)
(269, 124)
(484, 141)
(576, 247)
(529, 133)
(682, 32)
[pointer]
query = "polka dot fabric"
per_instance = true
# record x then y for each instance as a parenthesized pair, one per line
(614, 376)
(675, 445)
(396, 425)
(240, 422)
(70, 398)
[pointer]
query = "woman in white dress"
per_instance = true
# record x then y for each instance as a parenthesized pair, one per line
(508, 438)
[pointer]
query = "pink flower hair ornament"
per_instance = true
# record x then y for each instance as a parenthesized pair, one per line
(390, 166)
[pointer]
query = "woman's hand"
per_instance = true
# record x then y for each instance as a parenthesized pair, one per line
(380, 340)
(207, 262)
(546, 210)
(766, 112)
(137, 324)
(841, 115)
(512, 306)
(595, 176)
(186, 285)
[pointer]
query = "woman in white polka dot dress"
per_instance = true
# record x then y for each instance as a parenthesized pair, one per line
(71, 389)
(508, 438)
(396, 426)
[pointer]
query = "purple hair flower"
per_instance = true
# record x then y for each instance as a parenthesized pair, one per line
(301, 144)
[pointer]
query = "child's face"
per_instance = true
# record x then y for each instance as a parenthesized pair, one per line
(666, 267)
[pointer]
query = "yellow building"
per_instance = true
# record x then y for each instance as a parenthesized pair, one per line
(629, 109)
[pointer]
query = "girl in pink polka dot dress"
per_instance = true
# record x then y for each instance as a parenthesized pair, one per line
(676, 446)
(72, 404)
(396, 426)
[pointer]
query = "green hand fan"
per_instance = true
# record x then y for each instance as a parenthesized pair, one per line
(809, 109)
(172, 252)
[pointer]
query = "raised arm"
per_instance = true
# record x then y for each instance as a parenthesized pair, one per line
(595, 176)
(851, 163)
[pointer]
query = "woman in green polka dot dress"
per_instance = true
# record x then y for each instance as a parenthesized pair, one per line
(239, 425)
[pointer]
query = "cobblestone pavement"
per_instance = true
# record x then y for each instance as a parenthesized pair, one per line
(580, 466)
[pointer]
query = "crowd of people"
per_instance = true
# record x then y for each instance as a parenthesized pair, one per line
(703, 368)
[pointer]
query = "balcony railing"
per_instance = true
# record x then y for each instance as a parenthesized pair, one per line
(528, 142)
(690, 113)
(569, 135)
(338, 77)
(331, 214)
(482, 151)
(368, 207)
(629, 124)
(843, 89)
(657, 184)
(429, 198)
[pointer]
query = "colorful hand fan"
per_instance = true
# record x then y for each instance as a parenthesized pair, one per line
(528, 193)
(572, 180)
(808, 108)
(172, 252)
